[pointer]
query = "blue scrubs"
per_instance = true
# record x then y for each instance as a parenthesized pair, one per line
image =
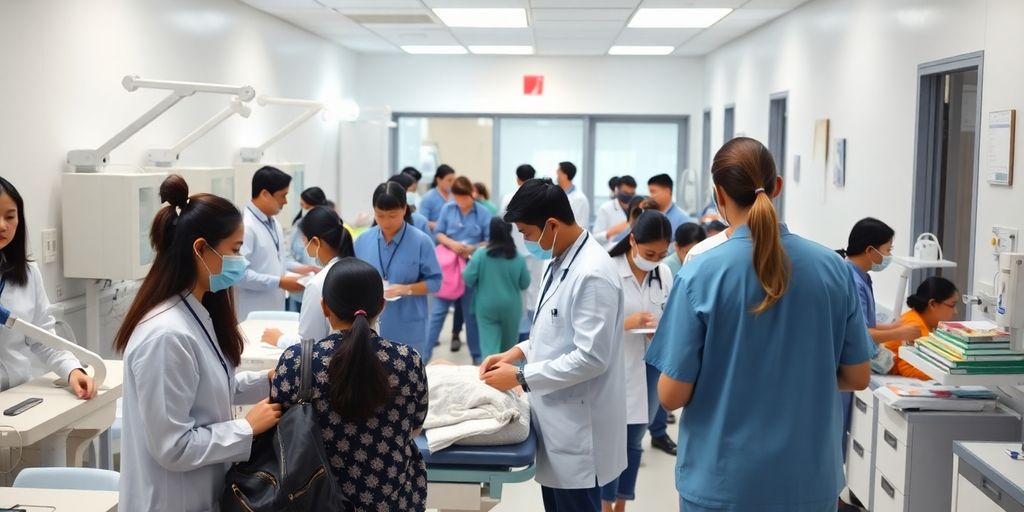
(866, 296)
(471, 228)
(408, 259)
(431, 204)
(420, 222)
(761, 431)
(677, 217)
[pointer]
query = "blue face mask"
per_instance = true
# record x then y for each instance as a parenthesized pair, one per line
(231, 271)
(535, 249)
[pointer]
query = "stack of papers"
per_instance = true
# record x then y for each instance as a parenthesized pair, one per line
(936, 398)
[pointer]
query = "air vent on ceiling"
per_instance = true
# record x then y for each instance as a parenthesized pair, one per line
(391, 19)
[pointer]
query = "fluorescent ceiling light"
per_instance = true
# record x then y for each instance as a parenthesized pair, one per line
(676, 18)
(501, 50)
(434, 50)
(640, 50)
(483, 17)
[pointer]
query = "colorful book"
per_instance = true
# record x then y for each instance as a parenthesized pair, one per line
(971, 332)
(952, 339)
(951, 361)
(969, 354)
(994, 370)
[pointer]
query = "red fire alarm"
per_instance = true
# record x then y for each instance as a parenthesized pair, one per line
(533, 85)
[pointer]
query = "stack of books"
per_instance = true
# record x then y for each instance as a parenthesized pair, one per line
(971, 348)
(925, 397)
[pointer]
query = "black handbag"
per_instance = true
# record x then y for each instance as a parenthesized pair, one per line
(288, 469)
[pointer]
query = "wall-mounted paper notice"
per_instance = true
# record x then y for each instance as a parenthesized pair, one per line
(999, 166)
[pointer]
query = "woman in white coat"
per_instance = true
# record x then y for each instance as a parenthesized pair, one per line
(326, 241)
(181, 346)
(22, 292)
(646, 284)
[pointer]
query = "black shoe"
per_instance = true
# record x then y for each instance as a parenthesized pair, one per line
(670, 419)
(665, 444)
(845, 507)
(456, 344)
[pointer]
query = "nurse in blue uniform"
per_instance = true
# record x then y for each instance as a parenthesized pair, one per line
(756, 344)
(404, 257)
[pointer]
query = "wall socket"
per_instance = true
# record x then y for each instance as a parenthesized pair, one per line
(49, 245)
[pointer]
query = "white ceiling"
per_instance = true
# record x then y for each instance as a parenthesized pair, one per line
(557, 27)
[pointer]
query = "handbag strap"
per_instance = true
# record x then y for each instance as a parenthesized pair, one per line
(306, 372)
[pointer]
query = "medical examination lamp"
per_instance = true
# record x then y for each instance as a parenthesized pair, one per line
(168, 156)
(8, 320)
(346, 111)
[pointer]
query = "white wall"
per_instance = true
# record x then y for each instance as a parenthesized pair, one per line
(572, 85)
(856, 64)
(61, 89)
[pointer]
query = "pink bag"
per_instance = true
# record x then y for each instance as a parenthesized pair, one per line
(452, 285)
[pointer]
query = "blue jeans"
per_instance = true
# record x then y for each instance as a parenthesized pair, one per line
(657, 414)
(571, 500)
(624, 487)
(439, 311)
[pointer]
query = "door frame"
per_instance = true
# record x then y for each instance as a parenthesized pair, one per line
(780, 159)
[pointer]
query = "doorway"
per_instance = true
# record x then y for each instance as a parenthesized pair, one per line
(777, 123)
(946, 161)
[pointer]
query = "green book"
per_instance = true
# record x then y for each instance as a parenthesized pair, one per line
(973, 332)
(994, 354)
(991, 345)
(951, 361)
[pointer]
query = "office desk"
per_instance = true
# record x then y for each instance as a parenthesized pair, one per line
(41, 500)
(258, 356)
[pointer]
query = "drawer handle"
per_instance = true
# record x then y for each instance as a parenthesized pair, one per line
(888, 488)
(858, 448)
(890, 439)
(861, 404)
(991, 490)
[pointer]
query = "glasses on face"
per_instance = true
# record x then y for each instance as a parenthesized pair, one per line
(948, 305)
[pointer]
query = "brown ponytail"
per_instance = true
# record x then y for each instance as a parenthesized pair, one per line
(745, 169)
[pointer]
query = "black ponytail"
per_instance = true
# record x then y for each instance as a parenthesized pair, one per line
(313, 196)
(359, 384)
(650, 226)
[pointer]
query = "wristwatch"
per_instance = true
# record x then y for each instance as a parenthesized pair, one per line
(521, 379)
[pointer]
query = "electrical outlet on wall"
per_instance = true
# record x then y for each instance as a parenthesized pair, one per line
(49, 245)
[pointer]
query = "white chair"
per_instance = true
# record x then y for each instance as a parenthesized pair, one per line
(290, 316)
(77, 479)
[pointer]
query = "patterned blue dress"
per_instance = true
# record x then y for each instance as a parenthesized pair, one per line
(375, 461)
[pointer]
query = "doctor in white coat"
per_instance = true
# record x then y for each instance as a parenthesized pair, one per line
(263, 285)
(181, 347)
(574, 371)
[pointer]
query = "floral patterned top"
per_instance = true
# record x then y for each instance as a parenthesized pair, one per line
(375, 461)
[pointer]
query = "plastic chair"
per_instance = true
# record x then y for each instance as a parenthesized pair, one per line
(290, 316)
(77, 479)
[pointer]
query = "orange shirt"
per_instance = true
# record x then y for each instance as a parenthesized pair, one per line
(901, 367)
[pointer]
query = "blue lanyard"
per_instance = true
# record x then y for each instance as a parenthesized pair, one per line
(208, 338)
(550, 277)
(270, 229)
(3, 284)
(385, 270)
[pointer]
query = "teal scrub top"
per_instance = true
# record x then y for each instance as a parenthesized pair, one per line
(762, 430)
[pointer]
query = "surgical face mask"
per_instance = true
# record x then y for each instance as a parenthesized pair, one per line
(644, 264)
(535, 249)
(625, 198)
(231, 271)
(886, 260)
(316, 255)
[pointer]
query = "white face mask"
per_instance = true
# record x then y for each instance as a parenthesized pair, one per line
(644, 264)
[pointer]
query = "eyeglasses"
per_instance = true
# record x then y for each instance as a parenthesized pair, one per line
(950, 306)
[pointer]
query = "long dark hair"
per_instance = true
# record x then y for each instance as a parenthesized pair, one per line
(934, 288)
(14, 256)
(389, 196)
(175, 229)
(651, 226)
(867, 232)
(324, 223)
(442, 172)
(359, 384)
(313, 196)
(745, 169)
(501, 244)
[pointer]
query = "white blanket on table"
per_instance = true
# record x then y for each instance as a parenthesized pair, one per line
(464, 410)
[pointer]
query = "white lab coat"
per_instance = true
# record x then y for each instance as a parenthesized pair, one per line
(259, 289)
(706, 245)
(179, 434)
(575, 373)
(312, 322)
(609, 215)
(580, 206)
(651, 297)
(17, 352)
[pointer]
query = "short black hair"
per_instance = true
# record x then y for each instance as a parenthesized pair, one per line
(663, 180)
(569, 169)
(403, 179)
(270, 179)
(628, 181)
(411, 171)
(689, 233)
(526, 172)
(613, 182)
(537, 201)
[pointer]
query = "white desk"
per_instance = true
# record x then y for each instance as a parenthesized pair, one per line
(986, 479)
(41, 500)
(61, 427)
(258, 356)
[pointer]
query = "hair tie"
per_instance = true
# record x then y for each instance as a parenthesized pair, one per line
(759, 191)
(359, 313)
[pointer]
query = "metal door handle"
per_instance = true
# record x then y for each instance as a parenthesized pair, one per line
(890, 439)
(862, 405)
(888, 488)
(858, 448)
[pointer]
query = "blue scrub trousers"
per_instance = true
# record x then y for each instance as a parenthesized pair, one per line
(571, 500)
(624, 487)
(439, 311)
(659, 418)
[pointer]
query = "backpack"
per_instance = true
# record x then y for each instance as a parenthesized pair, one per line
(288, 469)
(452, 265)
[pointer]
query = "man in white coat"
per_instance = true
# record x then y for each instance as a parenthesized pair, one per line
(577, 199)
(265, 281)
(573, 361)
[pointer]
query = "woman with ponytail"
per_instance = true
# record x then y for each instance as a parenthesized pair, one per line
(371, 395)
(756, 343)
(324, 240)
(181, 346)
(295, 258)
(934, 301)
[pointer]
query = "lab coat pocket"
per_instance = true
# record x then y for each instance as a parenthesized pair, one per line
(567, 427)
